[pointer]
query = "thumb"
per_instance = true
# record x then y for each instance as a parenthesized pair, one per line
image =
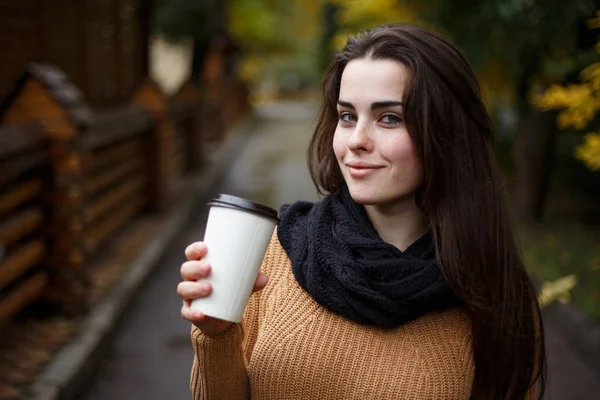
(261, 282)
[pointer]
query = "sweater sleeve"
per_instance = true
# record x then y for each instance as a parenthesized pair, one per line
(220, 368)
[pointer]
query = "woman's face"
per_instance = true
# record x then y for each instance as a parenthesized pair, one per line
(372, 146)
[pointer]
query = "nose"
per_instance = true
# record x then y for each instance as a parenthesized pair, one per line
(360, 140)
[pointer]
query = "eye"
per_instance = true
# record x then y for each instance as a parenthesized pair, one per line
(347, 117)
(391, 119)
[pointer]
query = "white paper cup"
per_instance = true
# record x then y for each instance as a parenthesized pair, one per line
(237, 235)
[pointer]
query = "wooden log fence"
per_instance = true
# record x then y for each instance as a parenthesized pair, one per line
(24, 162)
(73, 177)
(116, 154)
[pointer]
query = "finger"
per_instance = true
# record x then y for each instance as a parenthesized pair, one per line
(193, 290)
(261, 282)
(194, 270)
(196, 251)
(192, 315)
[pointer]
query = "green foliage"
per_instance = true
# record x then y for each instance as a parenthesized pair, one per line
(509, 29)
(556, 252)
(258, 25)
(578, 104)
(184, 19)
(275, 27)
(358, 15)
(280, 40)
(530, 41)
(297, 37)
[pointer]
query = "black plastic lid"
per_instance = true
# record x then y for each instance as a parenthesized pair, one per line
(225, 200)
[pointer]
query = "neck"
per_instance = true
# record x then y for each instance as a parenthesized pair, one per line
(400, 224)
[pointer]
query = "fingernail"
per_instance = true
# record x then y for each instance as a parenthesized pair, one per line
(205, 287)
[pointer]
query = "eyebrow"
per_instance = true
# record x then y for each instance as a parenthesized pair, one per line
(374, 106)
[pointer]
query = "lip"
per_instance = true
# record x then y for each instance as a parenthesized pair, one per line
(360, 169)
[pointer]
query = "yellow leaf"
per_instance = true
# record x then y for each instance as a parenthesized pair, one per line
(557, 290)
(557, 96)
(564, 298)
(589, 151)
(590, 72)
(578, 102)
(594, 23)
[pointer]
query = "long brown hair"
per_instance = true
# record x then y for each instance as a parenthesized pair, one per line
(462, 195)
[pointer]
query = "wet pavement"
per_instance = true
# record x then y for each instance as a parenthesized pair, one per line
(152, 354)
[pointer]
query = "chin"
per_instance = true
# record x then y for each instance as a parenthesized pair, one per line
(366, 196)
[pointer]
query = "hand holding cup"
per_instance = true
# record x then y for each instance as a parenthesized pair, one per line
(222, 271)
(193, 272)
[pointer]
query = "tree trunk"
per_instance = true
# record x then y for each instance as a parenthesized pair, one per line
(330, 28)
(145, 16)
(200, 48)
(534, 160)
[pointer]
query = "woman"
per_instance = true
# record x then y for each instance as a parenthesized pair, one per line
(405, 281)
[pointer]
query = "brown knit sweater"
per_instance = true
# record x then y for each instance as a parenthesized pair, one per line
(289, 347)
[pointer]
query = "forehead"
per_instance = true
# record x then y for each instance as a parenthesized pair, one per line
(366, 81)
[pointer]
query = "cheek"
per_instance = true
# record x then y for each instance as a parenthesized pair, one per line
(339, 145)
(403, 154)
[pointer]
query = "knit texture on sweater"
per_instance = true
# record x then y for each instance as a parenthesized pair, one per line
(288, 347)
(341, 261)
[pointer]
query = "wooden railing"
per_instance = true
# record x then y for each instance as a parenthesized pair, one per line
(73, 177)
(116, 152)
(24, 180)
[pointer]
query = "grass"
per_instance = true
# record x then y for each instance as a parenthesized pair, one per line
(554, 252)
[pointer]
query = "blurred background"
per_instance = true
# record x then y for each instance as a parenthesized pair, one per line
(113, 113)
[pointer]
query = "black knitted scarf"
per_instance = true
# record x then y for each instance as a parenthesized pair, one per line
(340, 260)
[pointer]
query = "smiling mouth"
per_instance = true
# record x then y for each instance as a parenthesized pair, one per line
(362, 170)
